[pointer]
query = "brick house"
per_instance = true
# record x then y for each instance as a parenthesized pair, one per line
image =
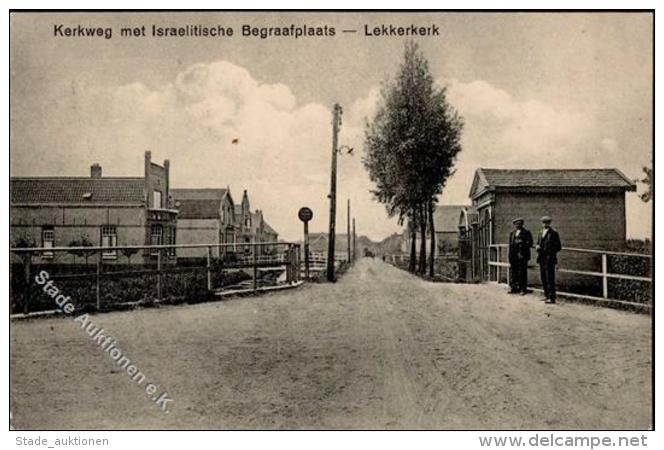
(211, 216)
(105, 211)
(587, 205)
(262, 231)
(205, 216)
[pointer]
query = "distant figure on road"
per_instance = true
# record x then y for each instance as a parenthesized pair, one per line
(548, 246)
(519, 254)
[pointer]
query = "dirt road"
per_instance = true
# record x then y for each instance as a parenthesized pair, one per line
(379, 349)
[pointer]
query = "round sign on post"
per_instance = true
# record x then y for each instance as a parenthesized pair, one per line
(305, 214)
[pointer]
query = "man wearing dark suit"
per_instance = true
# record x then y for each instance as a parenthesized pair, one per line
(519, 254)
(548, 246)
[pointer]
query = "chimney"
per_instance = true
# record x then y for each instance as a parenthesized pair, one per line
(147, 160)
(95, 170)
(167, 170)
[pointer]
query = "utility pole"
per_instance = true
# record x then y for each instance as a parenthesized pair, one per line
(336, 124)
(348, 230)
(354, 246)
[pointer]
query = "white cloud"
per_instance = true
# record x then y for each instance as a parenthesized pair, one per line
(504, 132)
(283, 158)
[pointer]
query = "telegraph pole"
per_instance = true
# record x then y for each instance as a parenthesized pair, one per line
(348, 230)
(336, 123)
(354, 246)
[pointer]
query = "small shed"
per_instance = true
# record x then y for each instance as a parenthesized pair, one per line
(587, 205)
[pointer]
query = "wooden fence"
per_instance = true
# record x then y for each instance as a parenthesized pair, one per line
(286, 258)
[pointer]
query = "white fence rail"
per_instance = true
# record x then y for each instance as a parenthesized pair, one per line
(500, 250)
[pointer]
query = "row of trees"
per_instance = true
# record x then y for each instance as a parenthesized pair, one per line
(411, 146)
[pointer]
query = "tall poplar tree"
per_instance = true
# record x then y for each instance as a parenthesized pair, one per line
(411, 145)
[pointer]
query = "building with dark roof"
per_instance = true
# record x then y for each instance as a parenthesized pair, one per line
(587, 205)
(446, 224)
(251, 226)
(205, 216)
(106, 211)
(211, 216)
(261, 231)
(243, 219)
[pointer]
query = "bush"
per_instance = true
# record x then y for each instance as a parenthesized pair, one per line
(630, 290)
(188, 286)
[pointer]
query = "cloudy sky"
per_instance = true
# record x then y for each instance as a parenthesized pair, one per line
(535, 90)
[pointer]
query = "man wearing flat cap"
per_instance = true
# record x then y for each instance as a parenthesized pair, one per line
(519, 254)
(548, 246)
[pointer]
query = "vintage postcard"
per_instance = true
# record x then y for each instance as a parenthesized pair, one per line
(332, 220)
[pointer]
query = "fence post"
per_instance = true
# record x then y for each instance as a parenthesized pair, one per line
(98, 281)
(159, 274)
(605, 279)
(287, 263)
(209, 269)
(27, 261)
(255, 262)
(289, 260)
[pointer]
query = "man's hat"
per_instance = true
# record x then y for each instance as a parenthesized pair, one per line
(518, 219)
(546, 219)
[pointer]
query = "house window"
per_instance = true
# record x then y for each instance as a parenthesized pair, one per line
(156, 236)
(48, 241)
(171, 240)
(109, 238)
(156, 199)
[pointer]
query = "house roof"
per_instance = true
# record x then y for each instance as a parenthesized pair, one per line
(198, 194)
(550, 179)
(77, 191)
(268, 229)
(446, 217)
(198, 209)
(198, 203)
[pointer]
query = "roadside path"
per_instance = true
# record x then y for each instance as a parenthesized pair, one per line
(379, 349)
